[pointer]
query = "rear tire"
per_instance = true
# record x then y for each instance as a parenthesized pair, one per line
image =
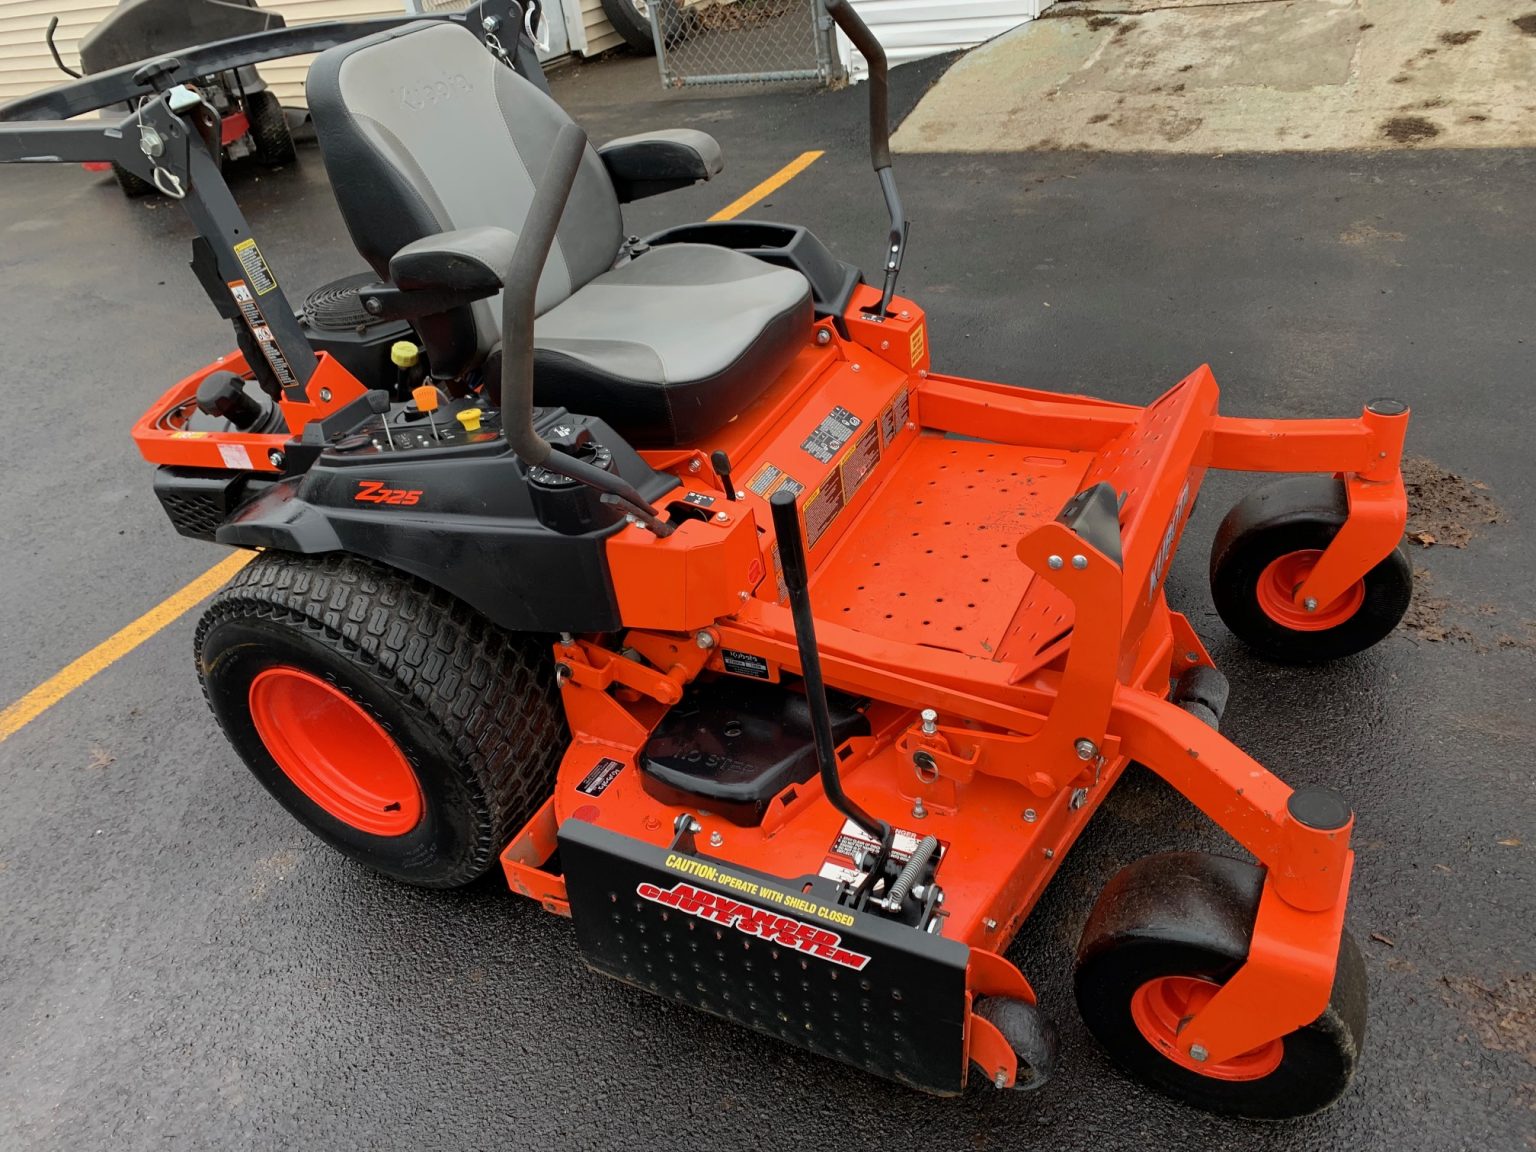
(133, 186)
(1183, 920)
(471, 710)
(269, 129)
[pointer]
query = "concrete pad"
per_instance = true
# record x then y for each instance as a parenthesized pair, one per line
(1242, 76)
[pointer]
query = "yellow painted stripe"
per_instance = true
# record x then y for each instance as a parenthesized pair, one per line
(65, 681)
(114, 648)
(768, 187)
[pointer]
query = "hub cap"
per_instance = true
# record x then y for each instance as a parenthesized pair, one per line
(335, 752)
(1277, 594)
(1161, 1007)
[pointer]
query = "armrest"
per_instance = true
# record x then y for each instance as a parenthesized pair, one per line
(657, 162)
(465, 260)
(442, 272)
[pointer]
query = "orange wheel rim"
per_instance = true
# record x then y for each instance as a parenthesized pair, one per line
(1161, 1007)
(1277, 594)
(335, 752)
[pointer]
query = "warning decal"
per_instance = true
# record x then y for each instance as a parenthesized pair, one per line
(853, 839)
(822, 507)
(769, 480)
(257, 323)
(894, 418)
(255, 265)
(603, 773)
(831, 434)
(859, 462)
(919, 344)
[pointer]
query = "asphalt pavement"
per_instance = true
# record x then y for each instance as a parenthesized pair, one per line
(181, 966)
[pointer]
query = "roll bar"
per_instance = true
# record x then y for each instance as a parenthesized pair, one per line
(863, 39)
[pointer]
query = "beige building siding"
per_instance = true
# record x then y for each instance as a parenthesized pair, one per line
(26, 67)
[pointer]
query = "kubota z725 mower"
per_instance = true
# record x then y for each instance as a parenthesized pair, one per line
(671, 576)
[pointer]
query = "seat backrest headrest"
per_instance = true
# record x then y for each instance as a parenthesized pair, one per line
(424, 131)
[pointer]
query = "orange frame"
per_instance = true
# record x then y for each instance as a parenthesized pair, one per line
(1036, 724)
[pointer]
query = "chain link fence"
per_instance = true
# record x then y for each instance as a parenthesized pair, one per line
(742, 41)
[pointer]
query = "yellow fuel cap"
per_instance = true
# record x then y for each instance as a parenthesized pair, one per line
(469, 417)
(404, 354)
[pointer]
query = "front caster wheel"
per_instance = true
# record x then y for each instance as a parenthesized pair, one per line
(1268, 545)
(1029, 1033)
(1166, 933)
(393, 722)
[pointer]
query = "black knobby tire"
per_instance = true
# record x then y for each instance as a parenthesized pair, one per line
(1191, 914)
(1299, 515)
(269, 129)
(133, 186)
(473, 709)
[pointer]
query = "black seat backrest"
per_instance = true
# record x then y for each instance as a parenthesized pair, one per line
(424, 131)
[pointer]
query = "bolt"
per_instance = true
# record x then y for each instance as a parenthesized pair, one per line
(372, 305)
(695, 826)
(1053, 562)
(823, 336)
(1309, 604)
(1000, 1080)
(885, 345)
(1192, 657)
(276, 458)
(1079, 562)
(918, 811)
(856, 368)
(715, 839)
(723, 517)
(490, 23)
(1198, 1053)
(904, 314)
(744, 595)
(705, 640)
(989, 924)
(1050, 853)
(567, 639)
(694, 465)
(325, 395)
(1086, 749)
(930, 721)
(1030, 815)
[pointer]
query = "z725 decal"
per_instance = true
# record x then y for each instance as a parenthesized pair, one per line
(374, 492)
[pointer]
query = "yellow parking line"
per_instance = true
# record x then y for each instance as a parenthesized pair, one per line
(76, 673)
(109, 651)
(769, 186)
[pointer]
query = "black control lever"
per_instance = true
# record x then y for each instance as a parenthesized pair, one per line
(721, 463)
(791, 541)
(379, 405)
(517, 315)
(864, 40)
(53, 48)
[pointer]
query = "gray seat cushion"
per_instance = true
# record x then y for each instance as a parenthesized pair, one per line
(673, 344)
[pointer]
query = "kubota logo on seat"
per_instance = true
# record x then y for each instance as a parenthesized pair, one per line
(374, 492)
(770, 926)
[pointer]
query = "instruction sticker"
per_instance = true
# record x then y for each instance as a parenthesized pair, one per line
(257, 323)
(603, 773)
(894, 418)
(919, 344)
(853, 840)
(831, 434)
(769, 480)
(859, 462)
(257, 273)
(744, 663)
(822, 507)
(698, 498)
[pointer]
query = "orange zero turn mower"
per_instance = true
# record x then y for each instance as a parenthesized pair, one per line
(669, 575)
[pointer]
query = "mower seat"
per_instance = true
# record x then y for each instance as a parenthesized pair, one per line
(424, 132)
